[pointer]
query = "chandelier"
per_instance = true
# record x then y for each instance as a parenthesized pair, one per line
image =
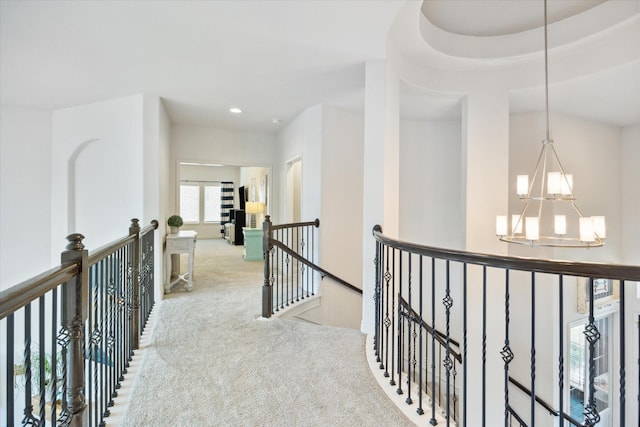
(549, 194)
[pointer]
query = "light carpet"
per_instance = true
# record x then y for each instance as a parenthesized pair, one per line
(211, 361)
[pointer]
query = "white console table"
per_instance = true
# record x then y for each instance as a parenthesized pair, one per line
(183, 242)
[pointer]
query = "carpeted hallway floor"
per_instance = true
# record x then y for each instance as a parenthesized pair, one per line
(211, 361)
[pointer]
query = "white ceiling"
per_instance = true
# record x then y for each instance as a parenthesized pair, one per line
(499, 17)
(271, 58)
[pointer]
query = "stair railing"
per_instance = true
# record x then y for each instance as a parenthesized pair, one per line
(421, 290)
(79, 324)
(290, 267)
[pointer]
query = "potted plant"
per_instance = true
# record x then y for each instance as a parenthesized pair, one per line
(19, 370)
(175, 222)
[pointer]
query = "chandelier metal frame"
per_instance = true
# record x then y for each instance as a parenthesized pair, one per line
(564, 192)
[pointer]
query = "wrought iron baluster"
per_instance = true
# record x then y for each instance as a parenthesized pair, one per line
(440, 365)
(302, 266)
(506, 353)
(465, 345)
(297, 263)
(313, 253)
(533, 349)
(42, 361)
(112, 334)
(89, 345)
(433, 420)
(288, 275)
(393, 315)
(10, 375)
(484, 345)
(64, 339)
(410, 357)
(623, 400)
(29, 418)
(400, 323)
(131, 301)
(387, 319)
(561, 349)
(420, 411)
(455, 396)
(591, 414)
(448, 303)
(54, 355)
(308, 229)
(376, 299)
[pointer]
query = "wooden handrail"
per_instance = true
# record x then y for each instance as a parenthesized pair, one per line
(568, 268)
(324, 273)
(439, 336)
(315, 223)
(104, 251)
(544, 404)
(18, 296)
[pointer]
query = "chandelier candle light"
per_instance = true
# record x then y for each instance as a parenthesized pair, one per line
(549, 193)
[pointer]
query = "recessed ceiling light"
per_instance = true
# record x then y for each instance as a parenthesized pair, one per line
(275, 121)
(235, 110)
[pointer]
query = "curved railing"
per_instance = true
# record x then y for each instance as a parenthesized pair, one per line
(75, 328)
(422, 290)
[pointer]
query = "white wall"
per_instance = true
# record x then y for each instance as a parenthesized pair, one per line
(102, 145)
(430, 183)
(157, 127)
(302, 138)
(342, 187)
(630, 160)
(25, 194)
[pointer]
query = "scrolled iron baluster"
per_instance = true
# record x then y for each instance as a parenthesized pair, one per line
(591, 414)
(533, 349)
(455, 396)
(376, 301)
(506, 353)
(64, 339)
(409, 319)
(387, 319)
(561, 348)
(448, 303)
(419, 410)
(433, 420)
(29, 417)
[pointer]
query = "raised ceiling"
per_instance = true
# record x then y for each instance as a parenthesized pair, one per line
(499, 17)
(271, 58)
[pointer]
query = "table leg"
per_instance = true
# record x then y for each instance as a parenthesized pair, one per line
(167, 271)
(190, 282)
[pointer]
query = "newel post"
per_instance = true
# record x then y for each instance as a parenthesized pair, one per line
(267, 289)
(75, 300)
(134, 230)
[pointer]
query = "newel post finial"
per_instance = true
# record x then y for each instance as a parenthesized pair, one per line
(75, 242)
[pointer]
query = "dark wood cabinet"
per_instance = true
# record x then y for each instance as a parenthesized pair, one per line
(239, 218)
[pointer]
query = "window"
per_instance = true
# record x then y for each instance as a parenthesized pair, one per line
(190, 202)
(200, 202)
(211, 203)
(579, 368)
